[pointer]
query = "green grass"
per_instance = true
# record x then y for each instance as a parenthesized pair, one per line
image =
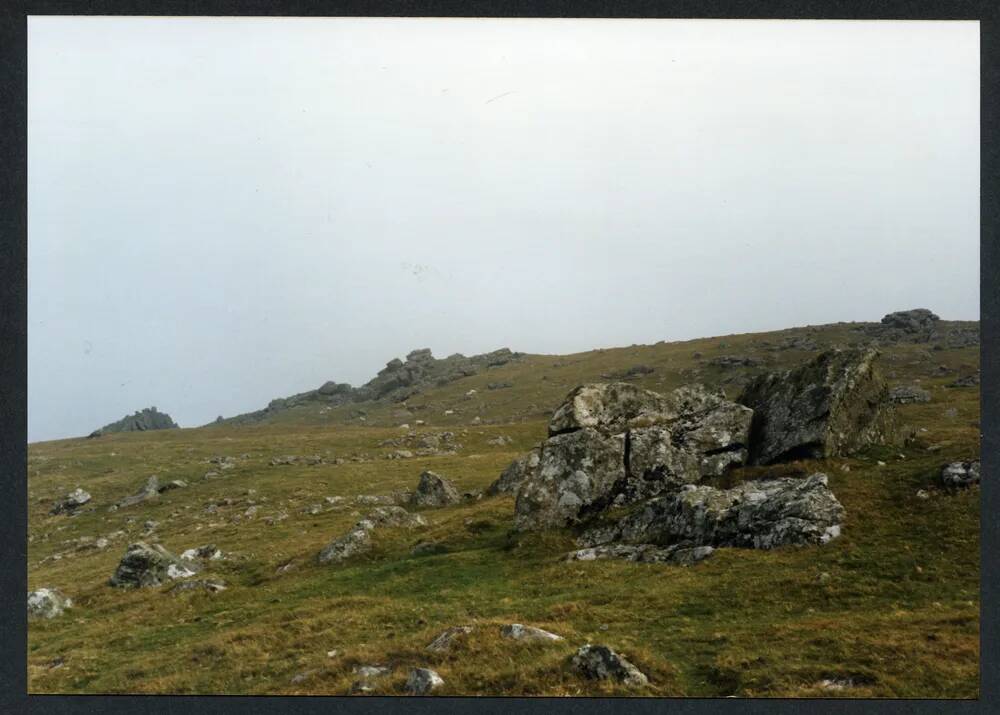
(898, 612)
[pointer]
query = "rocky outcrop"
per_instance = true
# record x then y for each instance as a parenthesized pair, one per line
(511, 479)
(617, 443)
(756, 514)
(47, 603)
(146, 565)
(960, 474)
(434, 490)
(359, 539)
(143, 420)
(396, 382)
(833, 405)
(599, 662)
(917, 320)
(905, 395)
(71, 502)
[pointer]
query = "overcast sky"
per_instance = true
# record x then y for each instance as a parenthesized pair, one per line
(224, 211)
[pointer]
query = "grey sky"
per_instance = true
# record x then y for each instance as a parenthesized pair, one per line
(223, 211)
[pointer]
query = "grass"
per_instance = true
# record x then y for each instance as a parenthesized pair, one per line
(897, 612)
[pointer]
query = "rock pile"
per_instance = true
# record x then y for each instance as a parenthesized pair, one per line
(833, 405)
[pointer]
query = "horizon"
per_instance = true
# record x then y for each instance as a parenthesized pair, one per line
(227, 210)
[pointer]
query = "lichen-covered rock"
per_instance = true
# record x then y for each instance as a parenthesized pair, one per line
(917, 320)
(520, 632)
(757, 514)
(150, 565)
(905, 395)
(960, 474)
(448, 638)
(577, 472)
(610, 408)
(434, 490)
(206, 552)
(833, 405)
(47, 603)
(198, 585)
(599, 662)
(71, 502)
(644, 553)
(511, 479)
(422, 681)
(369, 677)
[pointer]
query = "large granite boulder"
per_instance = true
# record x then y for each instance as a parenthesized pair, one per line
(756, 514)
(836, 404)
(47, 603)
(618, 443)
(577, 474)
(150, 565)
(434, 490)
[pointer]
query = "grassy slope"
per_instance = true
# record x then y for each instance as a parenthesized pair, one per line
(899, 613)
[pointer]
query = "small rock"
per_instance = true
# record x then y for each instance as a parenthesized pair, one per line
(448, 638)
(521, 632)
(923, 494)
(960, 474)
(434, 490)
(71, 502)
(47, 603)
(601, 663)
(422, 681)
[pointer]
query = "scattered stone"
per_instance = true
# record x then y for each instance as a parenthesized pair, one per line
(206, 552)
(171, 485)
(498, 385)
(729, 361)
(47, 603)
(500, 440)
(644, 553)
(428, 548)
(359, 539)
(833, 405)
(434, 490)
(198, 585)
(422, 681)
(448, 638)
(908, 395)
(71, 502)
(960, 474)
(369, 675)
(299, 678)
(520, 632)
(965, 381)
(601, 663)
(923, 494)
(150, 565)
(150, 490)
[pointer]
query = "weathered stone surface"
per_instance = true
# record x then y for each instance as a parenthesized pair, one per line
(171, 485)
(757, 514)
(47, 603)
(610, 408)
(966, 381)
(206, 552)
(734, 361)
(150, 565)
(644, 553)
(833, 405)
(369, 677)
(905, 395)
(960, 474)
(71, 502)
(447, 639)
(422, 681)
(577, 472)
(515, 474)
(143, 420)
(918, 320)
(520, 632)
(599, 662)
(434, 490)
(150, 490)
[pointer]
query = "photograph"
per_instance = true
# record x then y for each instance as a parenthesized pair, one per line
(504, 357)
